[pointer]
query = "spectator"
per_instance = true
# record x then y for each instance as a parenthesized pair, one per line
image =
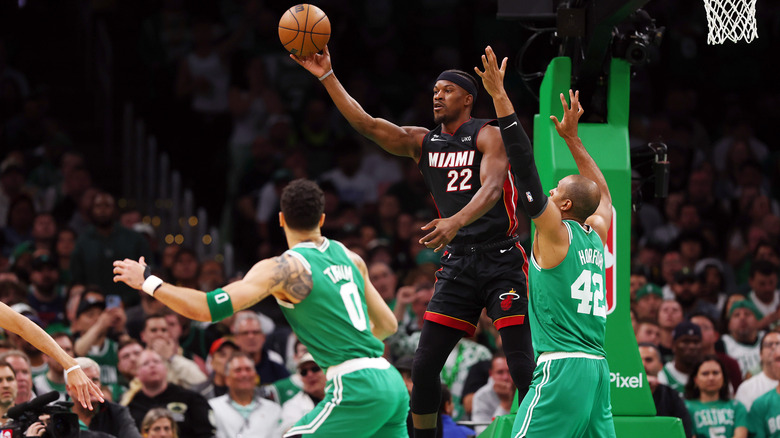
(53, 379)
(136, 315)
(637, 281)
(448, 426)
(221, 350)
(127, 360)
(648, 300)
(11, 186)
(762, 418)
(648, 332)
(669, 315)
(709, 337)
(668, 402)
(211, 275)
(185, 268)
(670, 263)
(43, 233)
(686, 347)
(495, 398)
(353, 187)
(190, 337)
(35, 357)
(284, 389)
(181, 371)
(21, 212)
(685, 287)
(103, 242)
(248, 332)
(385, 281)
(159, 423)
(764, 294)
(240, 411)
(708, 401)
(46, 296)
(191, 411)
(8, 390)
(94, 330)
(767, 379)
(314, 380)
(713, 282)
(21, 365)
(743, 342)
(108, 416)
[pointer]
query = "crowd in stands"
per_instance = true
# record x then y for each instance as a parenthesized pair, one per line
(240, 120)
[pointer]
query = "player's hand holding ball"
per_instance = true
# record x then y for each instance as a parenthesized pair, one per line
(304, 30)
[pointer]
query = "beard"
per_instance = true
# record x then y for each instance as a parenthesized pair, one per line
(440, 119)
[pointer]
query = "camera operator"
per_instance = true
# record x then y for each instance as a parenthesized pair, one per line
(79, 385)
(107, 416)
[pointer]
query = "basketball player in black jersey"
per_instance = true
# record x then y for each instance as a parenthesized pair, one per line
(465, 168)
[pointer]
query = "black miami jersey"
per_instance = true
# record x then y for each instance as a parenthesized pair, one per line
(450, 166)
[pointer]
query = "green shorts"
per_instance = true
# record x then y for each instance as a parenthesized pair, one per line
(568, 397)
(367, 402)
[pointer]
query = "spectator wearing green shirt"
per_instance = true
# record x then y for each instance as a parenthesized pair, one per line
(707, 398)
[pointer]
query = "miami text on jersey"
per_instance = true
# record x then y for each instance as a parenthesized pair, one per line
(450, 159)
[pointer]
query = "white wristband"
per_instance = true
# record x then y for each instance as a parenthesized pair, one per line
(151, 284)
(330, 72)
(74, 367)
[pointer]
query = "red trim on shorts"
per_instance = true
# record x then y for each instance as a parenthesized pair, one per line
(449, 321)
(508, 321)
(525, 270)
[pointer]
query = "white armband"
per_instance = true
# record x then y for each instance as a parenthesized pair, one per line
(151, 284)
(330, 72)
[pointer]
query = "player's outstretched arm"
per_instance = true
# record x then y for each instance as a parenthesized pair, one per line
(78, 382)
(383, 320)
(517, 144)
(284, 276)
(403, 141)
(567, 129)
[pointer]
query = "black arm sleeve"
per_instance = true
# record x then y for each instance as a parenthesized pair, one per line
(522, 165)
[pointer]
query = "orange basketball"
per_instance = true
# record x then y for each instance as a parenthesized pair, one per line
(304, 29)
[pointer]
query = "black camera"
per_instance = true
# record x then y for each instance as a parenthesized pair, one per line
(62, 423)
(637, 39)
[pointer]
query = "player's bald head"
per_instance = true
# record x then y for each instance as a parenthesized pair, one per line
(584, 195)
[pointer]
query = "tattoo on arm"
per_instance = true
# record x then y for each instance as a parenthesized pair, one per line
(292, 277)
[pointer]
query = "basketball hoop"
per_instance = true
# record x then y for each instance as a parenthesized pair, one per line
(731, 19)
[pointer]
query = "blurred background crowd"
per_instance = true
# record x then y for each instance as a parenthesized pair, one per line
(238, 119)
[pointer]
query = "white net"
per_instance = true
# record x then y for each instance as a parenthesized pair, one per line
(731, 19)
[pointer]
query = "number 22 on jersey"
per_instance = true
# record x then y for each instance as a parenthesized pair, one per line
(589, 288)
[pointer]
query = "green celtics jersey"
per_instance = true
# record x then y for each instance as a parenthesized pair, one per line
(566, 304)
(763, 418)
(332, 322)
(717, 418)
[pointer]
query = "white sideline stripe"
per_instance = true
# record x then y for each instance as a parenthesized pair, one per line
(535, 401)
(312, 427)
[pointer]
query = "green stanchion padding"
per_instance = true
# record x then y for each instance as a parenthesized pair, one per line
(625, 426)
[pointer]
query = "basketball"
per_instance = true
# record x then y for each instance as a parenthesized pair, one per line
(304, 29)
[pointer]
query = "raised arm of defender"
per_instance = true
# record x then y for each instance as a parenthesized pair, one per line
(398, 140)
(567, 129)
